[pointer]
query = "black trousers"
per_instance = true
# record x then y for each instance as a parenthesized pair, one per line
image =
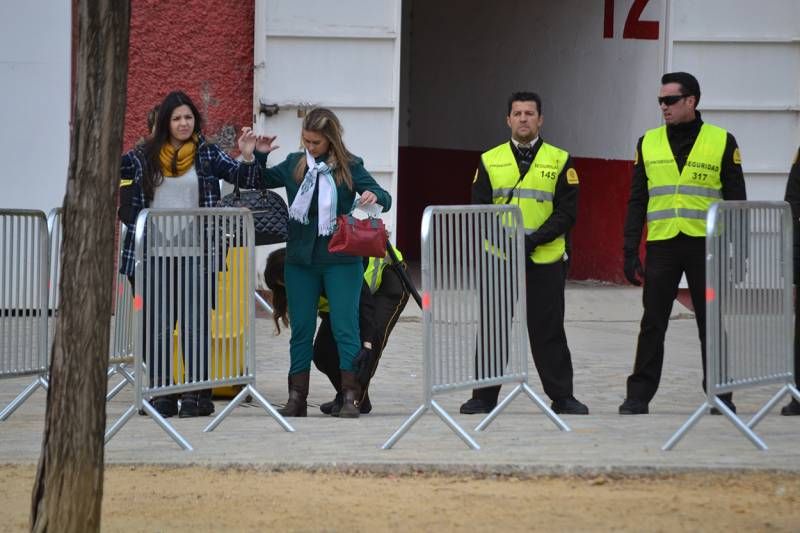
(387, 303)
(665, 263)
(544, 295)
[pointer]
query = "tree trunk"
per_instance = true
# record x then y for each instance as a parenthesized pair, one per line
(68, 491)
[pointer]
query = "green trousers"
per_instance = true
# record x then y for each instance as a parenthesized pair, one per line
(342, 286)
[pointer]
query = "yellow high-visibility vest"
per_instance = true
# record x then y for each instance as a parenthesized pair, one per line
(534, 194)
(679, 202)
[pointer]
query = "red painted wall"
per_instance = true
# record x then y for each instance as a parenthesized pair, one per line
(203, 47)
(429, 176)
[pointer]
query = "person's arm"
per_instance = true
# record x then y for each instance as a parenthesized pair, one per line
(565, 208)
(363, 181)
(245, 172)
(793, 197)
(637, 206)
(731, 175)
(130, 189)
(276, 176)
(481, 186)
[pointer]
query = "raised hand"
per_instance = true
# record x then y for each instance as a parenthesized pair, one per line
(264, 143)
(247, 143)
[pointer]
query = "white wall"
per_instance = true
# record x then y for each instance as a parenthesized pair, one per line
(35, 44)
(599, 95)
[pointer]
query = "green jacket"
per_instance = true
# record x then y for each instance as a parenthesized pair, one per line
(304, 246)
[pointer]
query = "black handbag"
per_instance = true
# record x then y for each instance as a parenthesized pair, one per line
(270, 214)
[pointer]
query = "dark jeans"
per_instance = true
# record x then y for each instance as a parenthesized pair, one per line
(173, 288)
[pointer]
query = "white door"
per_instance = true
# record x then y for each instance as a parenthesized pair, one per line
(343, 55)
(746, 56)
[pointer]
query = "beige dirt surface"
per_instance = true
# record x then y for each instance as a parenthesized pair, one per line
(149, 498)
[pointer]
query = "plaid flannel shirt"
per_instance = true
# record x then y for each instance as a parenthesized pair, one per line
(211, 165)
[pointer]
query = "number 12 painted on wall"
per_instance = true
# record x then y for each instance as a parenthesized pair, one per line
(634, 27)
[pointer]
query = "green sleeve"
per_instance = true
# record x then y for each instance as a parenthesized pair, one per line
(277, 176)
(363, 181)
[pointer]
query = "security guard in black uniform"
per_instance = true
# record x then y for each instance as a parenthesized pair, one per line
(793, 197)
(541, 180)
(680, 170)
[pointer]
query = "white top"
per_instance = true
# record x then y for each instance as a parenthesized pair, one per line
(179, 192)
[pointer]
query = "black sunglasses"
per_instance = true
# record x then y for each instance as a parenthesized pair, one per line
(672, 99)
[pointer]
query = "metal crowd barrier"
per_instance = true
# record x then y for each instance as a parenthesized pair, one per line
(193, 310)
(473, 309)
(749, 308)
(120, 359)
(24, 270)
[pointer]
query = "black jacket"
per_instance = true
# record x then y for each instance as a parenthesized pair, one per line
(793, 197)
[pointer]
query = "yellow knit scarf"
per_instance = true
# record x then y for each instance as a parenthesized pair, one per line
(175, 162)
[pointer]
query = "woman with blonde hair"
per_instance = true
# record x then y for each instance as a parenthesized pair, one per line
(321, 183)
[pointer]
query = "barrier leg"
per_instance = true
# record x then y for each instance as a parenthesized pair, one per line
(469, 441)
(249, 389)
(21, 397)
(121, 421)
(545, 408)
(410, 421)
(741, 426)
(498, 408)
(703, 409)
(768, 406)
(127, 378)
(263, 303)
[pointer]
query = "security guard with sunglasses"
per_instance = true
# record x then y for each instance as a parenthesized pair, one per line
(681, 169)
(542, 181)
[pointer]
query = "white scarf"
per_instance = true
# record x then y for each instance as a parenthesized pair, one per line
(326, 200)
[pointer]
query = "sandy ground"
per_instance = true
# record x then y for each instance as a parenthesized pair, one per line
(145, 498)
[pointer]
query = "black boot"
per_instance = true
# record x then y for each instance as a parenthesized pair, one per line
(350, 394)
(298, 392)
(333, 405)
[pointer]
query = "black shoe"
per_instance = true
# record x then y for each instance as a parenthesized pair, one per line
(328, 407)
(365, 406)
(569, 406)
(729, 403)
(475, 406)
(632, 406)
(166, 406)
(189, 405)
(791, 409)
(205, 407)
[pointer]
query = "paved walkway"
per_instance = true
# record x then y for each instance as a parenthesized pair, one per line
(602, 326)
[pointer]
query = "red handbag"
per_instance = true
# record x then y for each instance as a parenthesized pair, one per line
(364, 238)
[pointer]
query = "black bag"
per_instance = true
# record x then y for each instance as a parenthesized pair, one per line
(270, 214)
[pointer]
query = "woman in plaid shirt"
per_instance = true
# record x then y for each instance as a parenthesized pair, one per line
(176, 168)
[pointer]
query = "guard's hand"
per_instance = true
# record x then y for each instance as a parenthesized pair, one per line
(530, 246)
(634, 272)
(363, 363)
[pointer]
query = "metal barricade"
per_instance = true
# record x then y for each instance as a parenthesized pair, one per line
(193, 309)
(749, 308)
(24, 269)
(473, 309)
(121, 356)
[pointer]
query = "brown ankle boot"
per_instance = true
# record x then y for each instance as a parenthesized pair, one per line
(298, 392)
(350, 394)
